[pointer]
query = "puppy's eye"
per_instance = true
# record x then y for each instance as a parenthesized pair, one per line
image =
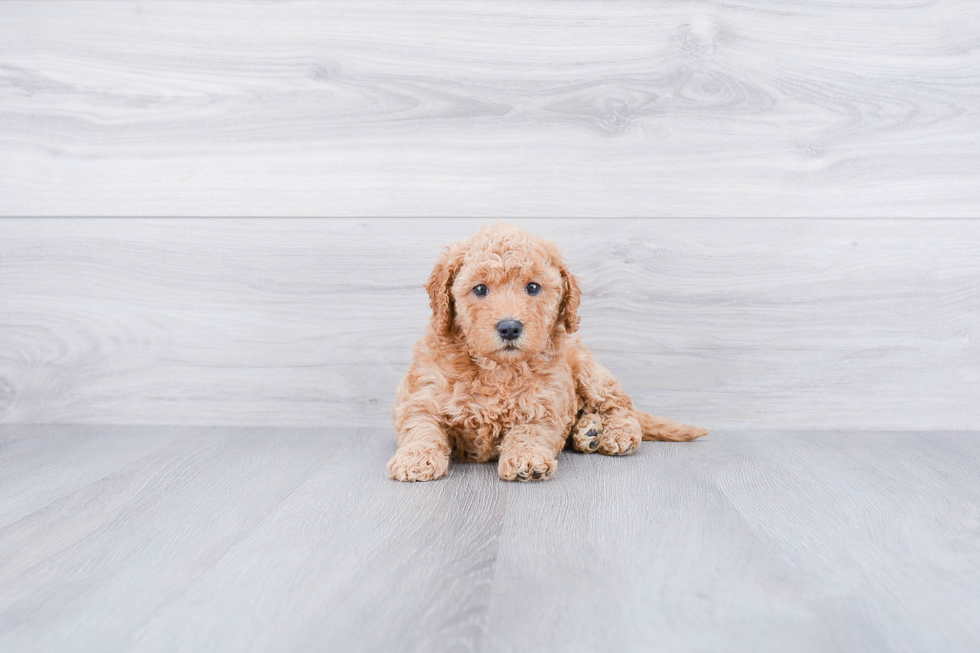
(480, 291)
(533, 288)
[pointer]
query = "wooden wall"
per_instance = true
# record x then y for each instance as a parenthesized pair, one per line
(490, 108)
(722, 112)
(728, 323)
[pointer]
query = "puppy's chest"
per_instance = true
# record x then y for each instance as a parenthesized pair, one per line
(476, 403)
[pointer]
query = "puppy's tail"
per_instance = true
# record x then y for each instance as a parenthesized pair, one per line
(661, 428)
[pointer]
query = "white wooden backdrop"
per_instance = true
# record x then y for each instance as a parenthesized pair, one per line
(520, 108)
(490, 108)
(869, 324)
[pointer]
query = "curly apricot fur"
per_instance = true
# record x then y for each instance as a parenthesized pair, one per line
(468, 393)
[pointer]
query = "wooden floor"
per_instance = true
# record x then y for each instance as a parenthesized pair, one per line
(229, 539)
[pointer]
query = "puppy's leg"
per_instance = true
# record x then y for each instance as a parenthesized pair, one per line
(529, 452)
(604, 397)
(423, 445)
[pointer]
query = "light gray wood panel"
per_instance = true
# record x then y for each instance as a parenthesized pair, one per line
(68, 457)
(726, 323)
(512, 108)
(209, 513)
(871, 503)
(763, 542)
(294, 539)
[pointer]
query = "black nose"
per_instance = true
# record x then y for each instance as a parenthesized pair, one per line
(509, 329)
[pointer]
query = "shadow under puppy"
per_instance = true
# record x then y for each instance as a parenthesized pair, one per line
(498, 374)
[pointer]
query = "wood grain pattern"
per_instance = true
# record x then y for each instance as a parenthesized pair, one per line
(727, 323)
(510, 108)
(199, 539)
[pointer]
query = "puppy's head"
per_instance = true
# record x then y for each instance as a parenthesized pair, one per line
(505, 292)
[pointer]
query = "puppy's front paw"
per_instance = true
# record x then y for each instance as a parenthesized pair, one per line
(527, 464)
(586, 433)
(620, 439)
(418, 463)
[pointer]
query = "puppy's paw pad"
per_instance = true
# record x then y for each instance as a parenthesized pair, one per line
(528, 465)
(418, 464)
(586, 435)
(468, 455)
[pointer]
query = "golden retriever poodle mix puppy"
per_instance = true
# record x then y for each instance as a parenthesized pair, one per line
(499, 375)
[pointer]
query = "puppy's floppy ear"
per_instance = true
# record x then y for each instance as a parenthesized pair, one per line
(571, 296)
(440, 287)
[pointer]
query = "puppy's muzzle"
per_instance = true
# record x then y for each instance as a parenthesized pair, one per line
(509, 330)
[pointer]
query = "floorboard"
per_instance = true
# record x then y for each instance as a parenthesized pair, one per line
(194, 539)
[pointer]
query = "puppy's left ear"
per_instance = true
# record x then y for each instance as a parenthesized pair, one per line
(440, 287)
(572, 295)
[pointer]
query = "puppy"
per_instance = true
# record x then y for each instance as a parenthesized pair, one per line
(498, 374)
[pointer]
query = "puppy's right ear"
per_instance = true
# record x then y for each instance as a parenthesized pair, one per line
(440, 287)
